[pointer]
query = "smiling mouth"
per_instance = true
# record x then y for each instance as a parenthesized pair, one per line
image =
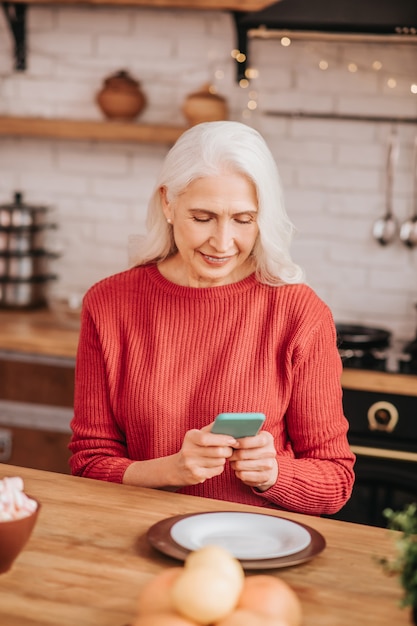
(216, 260)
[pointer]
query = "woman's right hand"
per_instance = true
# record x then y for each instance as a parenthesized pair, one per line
(202, 455)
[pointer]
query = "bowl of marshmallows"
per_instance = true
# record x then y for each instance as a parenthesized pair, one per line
(18, 515)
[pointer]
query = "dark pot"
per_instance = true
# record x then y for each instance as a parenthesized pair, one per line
(354, 337)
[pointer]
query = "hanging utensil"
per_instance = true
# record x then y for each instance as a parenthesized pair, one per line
(385, 227)
(408, 231)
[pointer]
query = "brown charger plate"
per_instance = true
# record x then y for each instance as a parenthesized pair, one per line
(159, 536)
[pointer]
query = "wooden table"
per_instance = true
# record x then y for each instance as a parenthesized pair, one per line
(89, 556)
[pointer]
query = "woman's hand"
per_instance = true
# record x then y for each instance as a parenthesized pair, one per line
(254, 461)
(202, 455)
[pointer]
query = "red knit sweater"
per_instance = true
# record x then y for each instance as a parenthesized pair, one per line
(156, 359)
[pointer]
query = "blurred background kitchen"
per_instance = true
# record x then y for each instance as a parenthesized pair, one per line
(339, 111)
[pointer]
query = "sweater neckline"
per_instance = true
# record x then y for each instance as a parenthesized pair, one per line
(201, 293)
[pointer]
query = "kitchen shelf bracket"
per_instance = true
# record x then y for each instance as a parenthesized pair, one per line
(16, 19)
(241, 45)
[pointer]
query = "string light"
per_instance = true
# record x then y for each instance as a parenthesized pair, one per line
(238, 56)
(323, 64)
(354, 67)
(251, 72)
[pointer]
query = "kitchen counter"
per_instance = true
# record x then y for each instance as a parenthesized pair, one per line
(88, 557)
(45, 333)
(38, 332)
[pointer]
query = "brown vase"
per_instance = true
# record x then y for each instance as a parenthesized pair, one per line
(204, 106)
(121, 97)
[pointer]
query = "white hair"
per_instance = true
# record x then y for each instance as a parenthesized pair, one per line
(209, 149)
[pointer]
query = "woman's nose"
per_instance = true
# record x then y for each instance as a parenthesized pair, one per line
(222, 237)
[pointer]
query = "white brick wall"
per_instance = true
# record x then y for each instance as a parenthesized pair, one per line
(332, 170)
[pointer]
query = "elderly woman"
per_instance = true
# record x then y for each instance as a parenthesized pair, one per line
(213, 317)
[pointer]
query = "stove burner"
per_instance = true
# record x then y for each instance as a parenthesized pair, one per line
(407, 364)
(364, 360)
(361, 347)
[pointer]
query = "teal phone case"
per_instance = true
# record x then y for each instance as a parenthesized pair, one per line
(238, 424)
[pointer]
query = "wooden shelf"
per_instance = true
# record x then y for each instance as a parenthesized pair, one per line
(212, 5)
(88, 130)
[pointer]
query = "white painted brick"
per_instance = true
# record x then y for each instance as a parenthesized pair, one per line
(109, 46)
(336, 81)
(352, 204)
(305, 151)
(343, 131)
(120, 188)
(332, 177)
(391, 105)
(41, 19)
(58, 183)
(25, 155)
(90, 21)
(367, 155)
(91, 161)
(170, 23)
(391, 280)
(60, 44)
(293, 101)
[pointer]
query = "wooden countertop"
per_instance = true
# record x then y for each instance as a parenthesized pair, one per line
(38, 332)
(89, 556)
(45, 332)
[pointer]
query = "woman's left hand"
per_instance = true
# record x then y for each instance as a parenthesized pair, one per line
(255, 461)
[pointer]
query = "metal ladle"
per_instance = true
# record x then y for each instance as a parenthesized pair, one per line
(385, 227)
(408, 231)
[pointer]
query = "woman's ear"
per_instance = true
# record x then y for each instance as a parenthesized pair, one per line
(166, 206)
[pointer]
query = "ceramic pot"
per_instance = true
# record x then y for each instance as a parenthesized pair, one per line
(121, 97)
(204, 106)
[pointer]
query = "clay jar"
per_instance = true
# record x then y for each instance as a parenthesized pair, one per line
(121, 98)
(204, 106)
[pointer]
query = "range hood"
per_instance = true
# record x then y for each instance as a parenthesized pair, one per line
(387, 20)
(347, 16)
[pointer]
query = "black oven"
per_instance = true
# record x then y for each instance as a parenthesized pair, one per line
(381, 407)
(383, 435)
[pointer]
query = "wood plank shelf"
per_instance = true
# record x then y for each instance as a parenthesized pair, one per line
(94, 130)
(208, 5)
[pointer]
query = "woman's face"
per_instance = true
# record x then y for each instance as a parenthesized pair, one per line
(214, 223)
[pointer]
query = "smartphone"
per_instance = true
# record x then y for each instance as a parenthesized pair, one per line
(238, 424)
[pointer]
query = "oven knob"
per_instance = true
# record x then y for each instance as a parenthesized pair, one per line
(382, 416)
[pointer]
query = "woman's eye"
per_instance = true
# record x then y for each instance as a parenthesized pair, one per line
(246, 221)
(201, 219)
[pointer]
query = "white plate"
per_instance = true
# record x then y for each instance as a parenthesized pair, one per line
(245, 535)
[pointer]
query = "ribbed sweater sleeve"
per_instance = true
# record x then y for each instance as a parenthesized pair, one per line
(156, 359)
